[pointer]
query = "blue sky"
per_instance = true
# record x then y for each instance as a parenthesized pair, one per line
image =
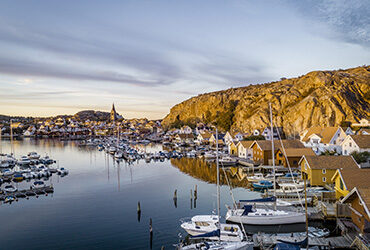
(60, 57)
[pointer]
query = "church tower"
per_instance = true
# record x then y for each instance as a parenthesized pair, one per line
(113, 114)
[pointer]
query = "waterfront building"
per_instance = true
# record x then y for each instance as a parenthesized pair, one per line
(321, 169)
(232, 149)
(323, 139)
(278, 132)
(293, 155)
(359, 204)
(356, 143)
(244, 149)
(261, 149)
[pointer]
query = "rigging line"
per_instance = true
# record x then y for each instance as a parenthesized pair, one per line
(290, 170)
(234, 203)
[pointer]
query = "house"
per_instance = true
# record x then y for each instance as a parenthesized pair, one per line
(184, 138)
(363, 123)
(345, 179)
(220, 136)
(364, 131)
(244, 149)
(293, 155)
(233, 137)
(203, 138)
(261, 149)
(256, 132)
(323, 139)
(186, 130)
(348, 131)
(232, 148)
(278, 132)
(359, 203)
(321, 169)
(356, 143)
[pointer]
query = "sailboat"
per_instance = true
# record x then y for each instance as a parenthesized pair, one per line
(209, 227)
(248, 214)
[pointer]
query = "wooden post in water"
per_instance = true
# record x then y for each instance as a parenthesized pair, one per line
(151, 233)
(191, 199)
(175, 198)
(196, 192)
(138, 211)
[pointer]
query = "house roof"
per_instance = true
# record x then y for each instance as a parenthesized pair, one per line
(185, 136)
(297, 152)
(354, 177)
(246, 144)
(326, 133)
(266, 144)
(206, 135)
(330, 161)
(363, 141)
(363, 194)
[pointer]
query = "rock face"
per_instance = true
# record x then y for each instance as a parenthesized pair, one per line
(92, 115)
(319, 98)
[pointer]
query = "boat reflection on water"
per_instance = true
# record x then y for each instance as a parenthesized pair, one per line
(205, 171)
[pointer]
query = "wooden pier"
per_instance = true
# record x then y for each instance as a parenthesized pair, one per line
(27, 193)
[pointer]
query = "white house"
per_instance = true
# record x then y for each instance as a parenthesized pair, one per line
(228, 138)
(348, 131)
(356, 143)
(363, 123)
(186, 130)
(323, 139)
(244, 150)
(278, 131)
(256, 132)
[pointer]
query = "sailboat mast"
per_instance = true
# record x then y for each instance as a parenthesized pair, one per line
(218, 182)
(11, 137)
(273, 150)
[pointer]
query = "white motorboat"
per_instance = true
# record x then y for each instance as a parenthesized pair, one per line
(219, 245)
(62, 171)
(112, 150)
(256, 177)
(33, 155)
(261, 216)
(10, 189)
(118, 155)
(209, 155)
(202, 224)
(24, 161)
(227, 161)
(38, 184)
(7, 172)
(4, 164)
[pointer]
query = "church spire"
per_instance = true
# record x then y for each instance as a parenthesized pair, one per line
(113, 114)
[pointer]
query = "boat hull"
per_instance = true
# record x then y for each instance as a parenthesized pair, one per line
(291, 218)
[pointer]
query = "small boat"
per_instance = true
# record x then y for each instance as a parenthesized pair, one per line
(7, 172)
(46, 160)
(118, 155)
(219, 245)
(10, 189)
(227, 161)
(256, 177)
(262, 185)
(9, 199)
(33, 155)
(18, 177)
(62, 171)
(202, 224)
(24, 161)
(38, 184)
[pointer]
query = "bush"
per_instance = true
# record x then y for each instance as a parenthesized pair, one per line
(360, 157)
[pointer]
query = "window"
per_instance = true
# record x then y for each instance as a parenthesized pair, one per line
(323, 179)
(305, 166)
(350, 144)
(324, 171)
(341, 184)
(295, 162)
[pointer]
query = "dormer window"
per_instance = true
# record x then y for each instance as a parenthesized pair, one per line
(324, 171)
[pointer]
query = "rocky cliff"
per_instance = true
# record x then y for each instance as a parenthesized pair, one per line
(323, 98)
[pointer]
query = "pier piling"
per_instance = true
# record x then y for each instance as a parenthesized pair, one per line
(151, 233)
(138, 211)
(175, 198)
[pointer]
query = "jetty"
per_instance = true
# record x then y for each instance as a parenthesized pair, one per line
(25, 193)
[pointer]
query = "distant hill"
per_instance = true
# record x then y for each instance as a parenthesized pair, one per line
(323, 98)
(92, 115)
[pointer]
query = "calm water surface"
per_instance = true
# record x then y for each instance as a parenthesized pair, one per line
(95, 206)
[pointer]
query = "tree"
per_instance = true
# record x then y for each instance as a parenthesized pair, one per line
(327, 152)
(361, 157)
(254, 138)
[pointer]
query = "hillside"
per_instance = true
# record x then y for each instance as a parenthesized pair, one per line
(318, 98)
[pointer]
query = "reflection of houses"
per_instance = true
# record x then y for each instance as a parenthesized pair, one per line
(356, 143)
(244, 149)
(293, 155)
(261, 149)
(321, 169)
(323, 139)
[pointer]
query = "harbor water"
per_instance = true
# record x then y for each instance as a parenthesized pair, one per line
(95, 206)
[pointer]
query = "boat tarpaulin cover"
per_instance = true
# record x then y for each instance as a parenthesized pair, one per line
(247, 209)
(215, 233)
(269, 199)
(302, 243)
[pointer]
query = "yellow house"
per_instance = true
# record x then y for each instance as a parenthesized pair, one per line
(321, 169)
(233, 150)
(345, 179)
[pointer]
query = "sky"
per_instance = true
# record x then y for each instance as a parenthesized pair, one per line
(60, 57)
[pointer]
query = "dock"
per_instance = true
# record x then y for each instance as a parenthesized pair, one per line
(25, 193)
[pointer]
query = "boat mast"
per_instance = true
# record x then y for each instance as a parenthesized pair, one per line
(218, 184)
(273, 152)
(1, 144)
(11, 137)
